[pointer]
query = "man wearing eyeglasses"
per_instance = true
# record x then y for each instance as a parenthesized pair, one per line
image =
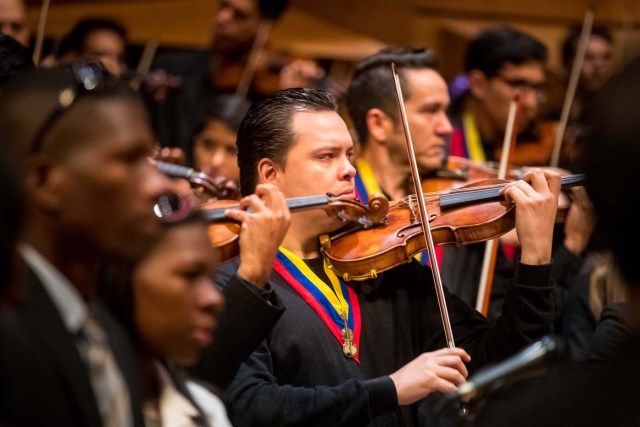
(501, 64)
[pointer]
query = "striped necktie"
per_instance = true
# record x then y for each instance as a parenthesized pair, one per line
(109, 387)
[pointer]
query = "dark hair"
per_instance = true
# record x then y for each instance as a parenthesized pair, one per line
(272, 9)
(29, 101)
(227, 109)
(266, 131)
(74, 41)
(613, 174)
(494, 48)
(372, 84)
(570, 44)
(14, 58)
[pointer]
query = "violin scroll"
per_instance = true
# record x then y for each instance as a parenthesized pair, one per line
(352, 210)
(206, 186)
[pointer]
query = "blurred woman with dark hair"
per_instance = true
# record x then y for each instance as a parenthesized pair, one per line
(170, 307)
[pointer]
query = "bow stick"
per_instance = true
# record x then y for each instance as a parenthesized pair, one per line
(574, 78)
(254, 55)
(426, 228)
(37, 50)
(491, 247)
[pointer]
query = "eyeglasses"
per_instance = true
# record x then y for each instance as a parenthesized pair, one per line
(524, 87)
(89, 76)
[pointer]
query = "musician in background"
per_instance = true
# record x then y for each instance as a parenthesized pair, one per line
(103, 39)
(204, 75)
(13, 20)
(603, 393)
(363, 353)
(501, 63)
(597, 68)
(382, 163)
(213, 148)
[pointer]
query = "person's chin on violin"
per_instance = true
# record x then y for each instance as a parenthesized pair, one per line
(355, 353)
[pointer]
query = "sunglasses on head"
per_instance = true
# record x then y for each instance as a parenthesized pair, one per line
(88, 77)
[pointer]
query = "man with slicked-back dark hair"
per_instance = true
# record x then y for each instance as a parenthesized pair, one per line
(364, 353)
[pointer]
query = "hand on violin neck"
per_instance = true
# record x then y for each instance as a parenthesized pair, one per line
(536, 200)
(263, 229)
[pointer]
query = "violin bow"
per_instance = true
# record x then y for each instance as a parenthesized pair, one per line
(254, 55)
(574, 78)
(491, 247)
(144, 65)
(426, 227)
(42, 22)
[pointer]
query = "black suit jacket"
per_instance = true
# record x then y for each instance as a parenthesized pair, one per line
(43, 379)
(245, 321)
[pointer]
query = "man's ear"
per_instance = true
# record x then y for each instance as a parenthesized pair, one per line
(379, 125)
(477, 83)
(43, 182)
(268, 172)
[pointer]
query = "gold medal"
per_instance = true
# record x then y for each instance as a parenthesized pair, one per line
(348, 347)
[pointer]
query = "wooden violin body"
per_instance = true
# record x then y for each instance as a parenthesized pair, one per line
(364, 254)
(224, 233)
(227, 73)
(472, 214)
(457, 173)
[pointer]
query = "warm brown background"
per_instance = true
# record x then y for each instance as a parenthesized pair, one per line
(350, 29)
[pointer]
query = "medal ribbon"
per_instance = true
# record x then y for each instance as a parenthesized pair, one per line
(327, 304)
(365, 181)
(472, 138)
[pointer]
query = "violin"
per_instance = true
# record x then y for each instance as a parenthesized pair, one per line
(210, 187)
(534, 148)
(224, 232)
(457, 173)
(228, 73)
(460, 171)
(470, 214)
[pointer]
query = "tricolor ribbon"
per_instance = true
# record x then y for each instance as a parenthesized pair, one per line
(327, 301)
(365, 182)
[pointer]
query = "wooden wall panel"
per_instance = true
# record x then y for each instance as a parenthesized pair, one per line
(187, 23)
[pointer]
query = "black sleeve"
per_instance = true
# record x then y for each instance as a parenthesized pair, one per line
(248, 316)
(612, 334)
(566, 267)
(577, 321)
(527, 315)
(353, 403)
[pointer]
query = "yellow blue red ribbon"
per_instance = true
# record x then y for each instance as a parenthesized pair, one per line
(365, 181)
(327, 301)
